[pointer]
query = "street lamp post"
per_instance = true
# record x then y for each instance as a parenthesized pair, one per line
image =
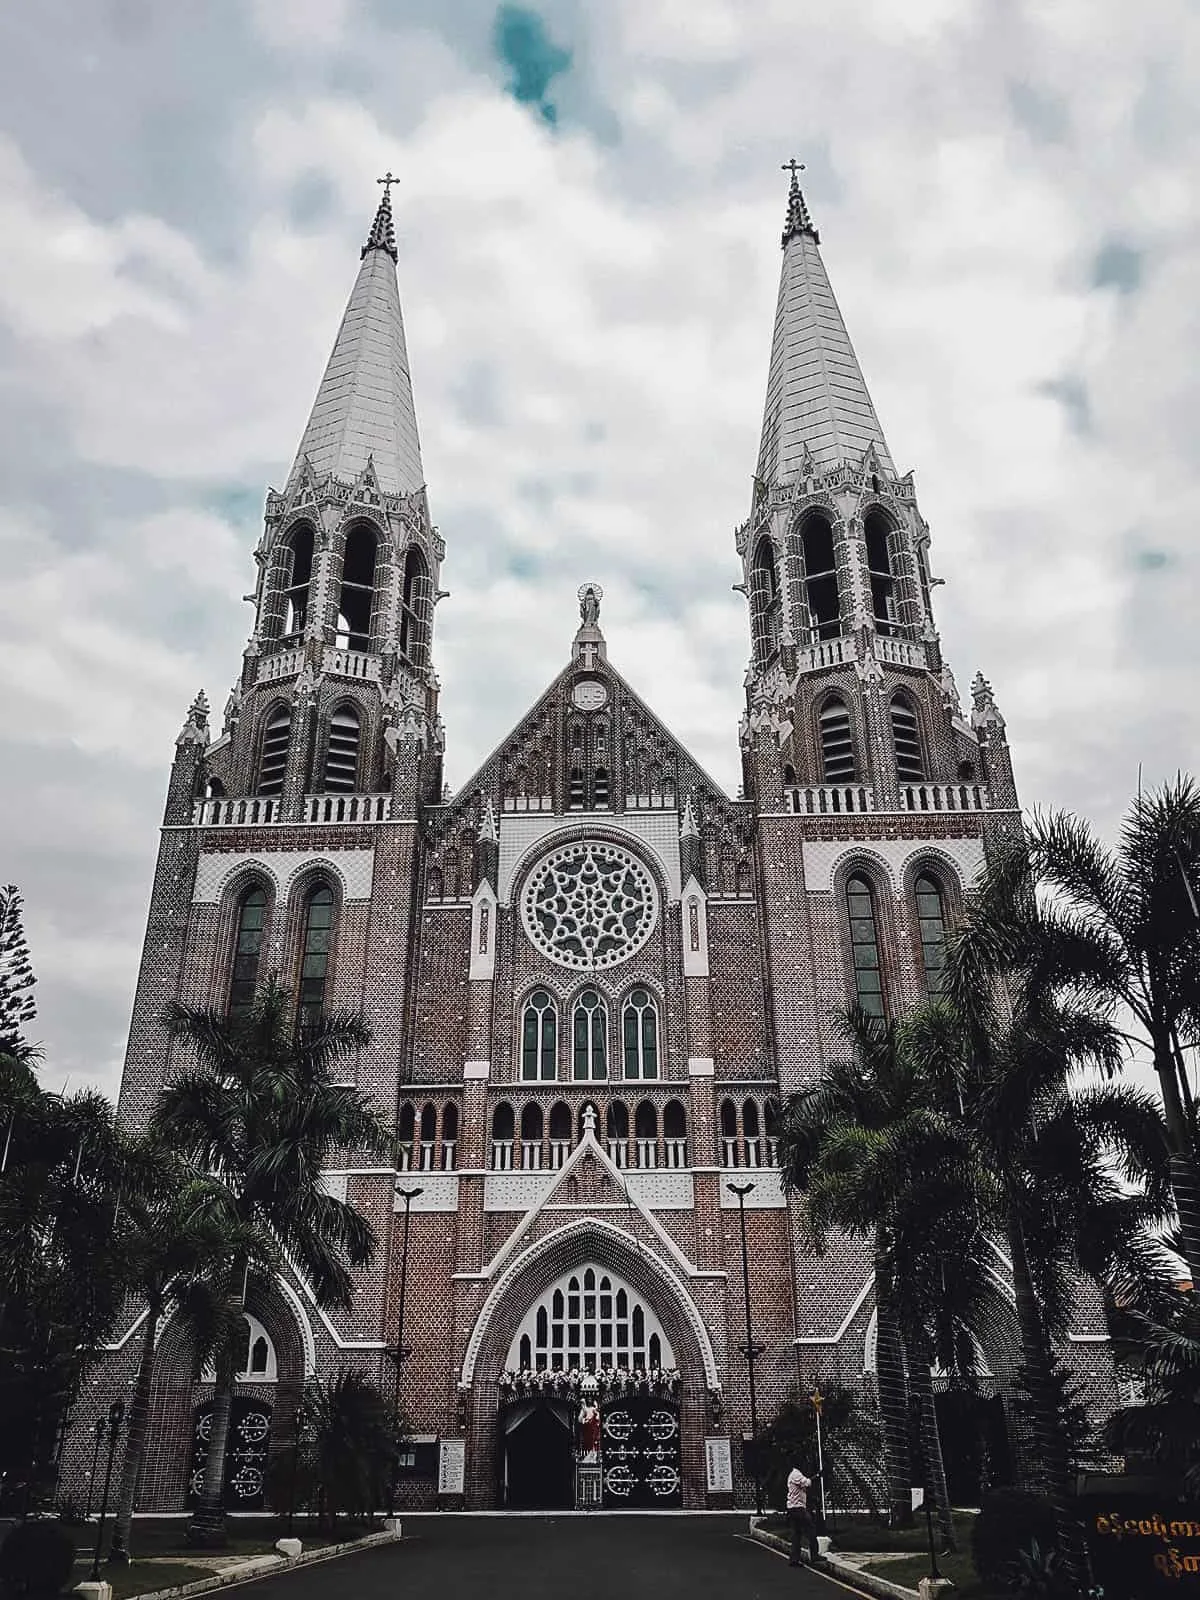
(99, 1438)
(116, 1416)
(402, 1351)
(750, 1350)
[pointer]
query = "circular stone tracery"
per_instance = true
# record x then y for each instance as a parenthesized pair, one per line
(589, 905)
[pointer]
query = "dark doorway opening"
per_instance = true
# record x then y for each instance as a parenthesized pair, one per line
(975, 1446)
(539, 1458)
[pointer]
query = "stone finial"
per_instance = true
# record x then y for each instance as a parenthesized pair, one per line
(383, 230)
(195, 728)
(488, 830)
(984, 713)
(798, 220)
(687, 826)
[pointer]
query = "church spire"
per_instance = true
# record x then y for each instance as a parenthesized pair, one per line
(818, 413)
(364, 407)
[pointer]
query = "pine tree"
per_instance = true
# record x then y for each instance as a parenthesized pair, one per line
(17, 1005)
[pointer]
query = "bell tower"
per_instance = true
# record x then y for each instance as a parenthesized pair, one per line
(337, 695)
(846, 669)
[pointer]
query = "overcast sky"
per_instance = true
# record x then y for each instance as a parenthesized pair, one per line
(588, 222)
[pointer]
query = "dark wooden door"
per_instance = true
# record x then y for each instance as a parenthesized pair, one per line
(640, 1453)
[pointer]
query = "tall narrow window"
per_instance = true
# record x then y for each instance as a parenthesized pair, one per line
(906, 736)
(864, 942)
(616, 1132)
(931, 919)
(273, 764)
(764, 601)
(252, 914)
(503, 1127)
(314, 961)
(675, 1134)
(416, 606)
(879, 570)
(300, 545)
(539, 1037)
(406, 1133)
(645, 1134)
(358, 588)
(837, 744)
(341, 757)
(750, 1135)
(589, 1041)
(730, 1152)
(820, 578)
(449, 1136)
(600, 789)
(428, 1135)
(531, 1137)
(640, 1035)
(575, 790)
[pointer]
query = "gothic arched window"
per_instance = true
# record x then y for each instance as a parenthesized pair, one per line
(837, 743)
(532, 1123)
(416, 607)
(931, 920)
(820, 578)
(273, 762)
(406, 1133)
(879, 570)
(341, 756)
(539, 1037)
(590, 1318)
(247, 948)
(864, 944)
(675, 1134)
(639, 1025)
(764, 600)
(645, 1134)
(730, 1152)
(449, 1136)
(357, 595)
(589, 1042)
(299, 581)
(314, 958)
(906, 737)
(503, 1127)
(750, 1137)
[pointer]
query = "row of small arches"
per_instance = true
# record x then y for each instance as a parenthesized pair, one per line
(359, 596)
(534, 1139)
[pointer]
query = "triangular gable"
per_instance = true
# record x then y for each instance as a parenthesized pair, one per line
(606, 1186)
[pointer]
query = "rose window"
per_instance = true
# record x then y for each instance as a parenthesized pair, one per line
(589, 905)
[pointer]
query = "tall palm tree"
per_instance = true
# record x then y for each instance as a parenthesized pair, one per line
(261, 1114)
(1160, 1345)
(1126, 926)
(851, 1145)
(178, 1239)
(1082, 1172)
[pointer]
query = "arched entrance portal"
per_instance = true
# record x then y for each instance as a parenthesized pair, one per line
(589, 1311)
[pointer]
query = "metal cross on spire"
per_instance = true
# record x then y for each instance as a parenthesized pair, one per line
(383, 232)
(387, 181)
(798, 220)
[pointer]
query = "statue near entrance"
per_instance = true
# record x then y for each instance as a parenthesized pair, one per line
(589, 1430)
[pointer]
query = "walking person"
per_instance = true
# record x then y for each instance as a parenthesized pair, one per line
(800, 1516)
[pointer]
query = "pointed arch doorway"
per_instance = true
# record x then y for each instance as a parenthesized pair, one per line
(539, 1456)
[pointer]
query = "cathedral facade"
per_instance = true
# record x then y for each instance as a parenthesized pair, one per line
(592, 978)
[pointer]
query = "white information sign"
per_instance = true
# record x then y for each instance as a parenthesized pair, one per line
(452, 1466)
(720, 1466)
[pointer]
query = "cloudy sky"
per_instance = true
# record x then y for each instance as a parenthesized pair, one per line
(588, 220)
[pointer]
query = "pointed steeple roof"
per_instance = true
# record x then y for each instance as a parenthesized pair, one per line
(364, 408)
(816, 397)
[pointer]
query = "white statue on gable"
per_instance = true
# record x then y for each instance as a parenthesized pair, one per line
(589, 1121)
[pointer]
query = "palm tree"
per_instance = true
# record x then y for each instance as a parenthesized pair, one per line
(1160, 1346)
(178, 1240)
(261, 1114)
(1126, 927)
(852, 1144)
(355, 1439)
(1081, 1172)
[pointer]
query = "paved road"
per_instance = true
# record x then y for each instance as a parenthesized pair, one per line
(559, 1558)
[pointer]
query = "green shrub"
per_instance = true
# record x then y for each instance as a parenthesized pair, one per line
(36, 1560)
(1014, 1529)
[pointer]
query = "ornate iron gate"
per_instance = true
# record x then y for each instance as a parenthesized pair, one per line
(640, 1452)
(245, 1454)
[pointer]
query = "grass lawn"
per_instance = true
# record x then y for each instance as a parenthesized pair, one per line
(861, 1533)
(960, 1569)
(167, 1536)
(147, 1577)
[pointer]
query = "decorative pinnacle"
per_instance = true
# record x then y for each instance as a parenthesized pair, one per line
(985, 713)
(383, 231)
(798, 220)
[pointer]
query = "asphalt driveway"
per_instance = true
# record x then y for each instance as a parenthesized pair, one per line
(559, 1558)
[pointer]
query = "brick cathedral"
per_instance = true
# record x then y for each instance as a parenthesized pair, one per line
(592, 977)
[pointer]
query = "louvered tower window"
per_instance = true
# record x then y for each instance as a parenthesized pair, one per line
(314, 960)
(539, 1037)
(590, 1043)
(252, 915)
(274, 751)
(764, 601)
(931, 920)
(341, 757)
(820, 578)
(864, 944)
(299, 580)
(837, 745)
(416, 608)
(906, 736)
